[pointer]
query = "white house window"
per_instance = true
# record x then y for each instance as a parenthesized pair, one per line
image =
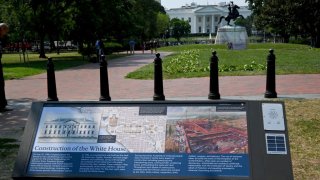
(208, 19)
(199, 29)
(189, 19)
(199, 19)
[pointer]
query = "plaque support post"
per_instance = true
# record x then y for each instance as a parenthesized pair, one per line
(271, 76)
(158, 79)
(51, 81)
(104, 80)
(214, 77)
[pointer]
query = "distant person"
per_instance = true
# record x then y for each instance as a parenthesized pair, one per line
(143, 47)
(132, 43)
(99, 49)
(230, 45)
(4, 29)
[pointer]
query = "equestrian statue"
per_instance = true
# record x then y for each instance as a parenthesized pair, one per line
(233, 13)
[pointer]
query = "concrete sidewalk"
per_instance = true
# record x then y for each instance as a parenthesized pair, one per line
(82, 84)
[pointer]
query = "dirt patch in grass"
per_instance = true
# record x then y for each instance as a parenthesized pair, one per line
(304, 132)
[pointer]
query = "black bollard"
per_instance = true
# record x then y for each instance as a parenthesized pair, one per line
(271, 76)
(214, 77)
(51, 81)
(104, 80)
(158, 79)
(3, 100)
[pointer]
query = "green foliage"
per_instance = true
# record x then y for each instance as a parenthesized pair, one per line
(112, 47)
(179, 28)
(247, 23)
(163, 22)
(82, 21)
(288, 18)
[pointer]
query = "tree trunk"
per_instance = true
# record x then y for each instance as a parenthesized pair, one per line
(286, 38)
(315, 41)
(42, 52)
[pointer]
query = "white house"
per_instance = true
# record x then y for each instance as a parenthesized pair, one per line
(205, 18)
(70, 127)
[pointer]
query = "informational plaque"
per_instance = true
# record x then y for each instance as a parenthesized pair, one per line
(168, 140)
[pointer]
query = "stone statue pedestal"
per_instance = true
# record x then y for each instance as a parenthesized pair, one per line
(237, 35)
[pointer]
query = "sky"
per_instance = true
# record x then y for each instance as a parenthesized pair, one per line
(178, 3)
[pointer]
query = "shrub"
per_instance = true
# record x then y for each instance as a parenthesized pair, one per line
(111, 47)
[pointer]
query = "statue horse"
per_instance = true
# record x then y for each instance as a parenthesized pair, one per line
(233, 15)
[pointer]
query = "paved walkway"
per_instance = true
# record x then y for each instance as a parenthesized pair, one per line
(82, 83)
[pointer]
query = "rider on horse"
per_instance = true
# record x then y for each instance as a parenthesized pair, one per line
(233, 13)
(233, 10)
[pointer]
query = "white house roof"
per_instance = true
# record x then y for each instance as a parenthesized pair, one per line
(205, 9)
(211, 9)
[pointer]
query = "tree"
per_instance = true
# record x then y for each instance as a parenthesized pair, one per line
(163, 22)
(247, 23)
(17, 14)
(179, 28)
(307, 16)
(273, 16)
(145, 13)
(48, 18)
(83, 21)
(288, 17)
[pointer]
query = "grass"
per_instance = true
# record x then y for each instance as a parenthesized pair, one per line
(13, 68)
(304, 132)
(290, 59)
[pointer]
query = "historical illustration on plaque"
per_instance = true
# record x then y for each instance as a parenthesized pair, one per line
(203, 130)
(69, 124)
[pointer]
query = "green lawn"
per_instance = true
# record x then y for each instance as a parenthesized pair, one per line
(290, 59)
(13, 68)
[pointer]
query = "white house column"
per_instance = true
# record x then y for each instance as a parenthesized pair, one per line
(212, 25)
(194, 24)
(204, 24)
